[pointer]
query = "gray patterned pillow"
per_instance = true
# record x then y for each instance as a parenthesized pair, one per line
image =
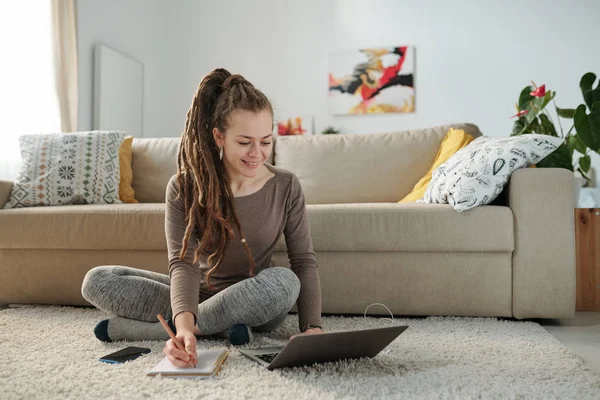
(68, 168)
(477, 173)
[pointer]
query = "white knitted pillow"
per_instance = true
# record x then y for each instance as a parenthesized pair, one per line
(477, 173)
(68, 168)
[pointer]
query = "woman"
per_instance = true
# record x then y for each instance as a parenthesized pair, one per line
(225, 210)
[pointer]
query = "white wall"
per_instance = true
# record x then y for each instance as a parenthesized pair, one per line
(136, 28)
(472, 57)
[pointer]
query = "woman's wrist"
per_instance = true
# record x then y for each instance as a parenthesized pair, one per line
(184, 322)
(310, 326)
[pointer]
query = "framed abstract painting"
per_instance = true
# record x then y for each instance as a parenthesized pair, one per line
(372, 81)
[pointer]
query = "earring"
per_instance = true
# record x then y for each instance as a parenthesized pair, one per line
(220, 153)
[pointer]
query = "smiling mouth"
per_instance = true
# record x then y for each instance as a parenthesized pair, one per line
(251, 164)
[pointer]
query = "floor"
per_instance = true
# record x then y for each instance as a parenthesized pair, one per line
(580, 334)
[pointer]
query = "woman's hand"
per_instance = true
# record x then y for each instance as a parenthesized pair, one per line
(311, 331)
(179, 358)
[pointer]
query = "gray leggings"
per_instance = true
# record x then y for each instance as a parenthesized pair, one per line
(260, 302)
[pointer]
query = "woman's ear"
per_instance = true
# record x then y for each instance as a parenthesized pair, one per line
(219, 137)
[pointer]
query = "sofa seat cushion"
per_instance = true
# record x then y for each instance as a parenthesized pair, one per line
(411, 227)
(339, 227)
(100, 226)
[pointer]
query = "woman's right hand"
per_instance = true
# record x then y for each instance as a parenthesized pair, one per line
(179, 358)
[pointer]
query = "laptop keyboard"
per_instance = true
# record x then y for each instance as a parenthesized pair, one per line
(268, 357)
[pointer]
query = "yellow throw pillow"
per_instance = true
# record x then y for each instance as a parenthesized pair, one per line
(454, 140)
(126, 193)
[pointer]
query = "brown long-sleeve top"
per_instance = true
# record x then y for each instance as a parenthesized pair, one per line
(277, 208)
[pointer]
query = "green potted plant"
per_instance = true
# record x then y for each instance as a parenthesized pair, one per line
(583, 135)
(330, 130)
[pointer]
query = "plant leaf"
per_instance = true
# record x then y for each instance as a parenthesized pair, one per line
(583, 174)
(534, 126)
(537, 104)
(585, 163)
(534, 105)
(565, 112)
(522, 126)
(547, 126)
(518, 127)
(547, 98)
(571, 142)
(579, 145)
(588, 126)
(559, 158)
(525, 98)
(589, 95)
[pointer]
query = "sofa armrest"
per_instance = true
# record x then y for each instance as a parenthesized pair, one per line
(5, 190)
(544, 264)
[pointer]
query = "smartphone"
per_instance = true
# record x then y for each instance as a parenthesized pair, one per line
(126, 354)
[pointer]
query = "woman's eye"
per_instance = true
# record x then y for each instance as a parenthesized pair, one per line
(247, 143)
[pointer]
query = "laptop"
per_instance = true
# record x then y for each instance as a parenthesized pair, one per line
(325, 347)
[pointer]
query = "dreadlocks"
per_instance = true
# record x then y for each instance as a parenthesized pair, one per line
(203, 181)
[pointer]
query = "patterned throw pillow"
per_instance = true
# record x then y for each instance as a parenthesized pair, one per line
(454, 140)
(68, 168)
(477, 173)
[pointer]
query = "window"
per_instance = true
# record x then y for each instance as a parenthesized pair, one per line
(28, 99)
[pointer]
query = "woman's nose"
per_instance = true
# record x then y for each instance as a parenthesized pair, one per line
(254, 150)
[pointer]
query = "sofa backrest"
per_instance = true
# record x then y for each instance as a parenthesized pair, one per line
(154, 162)
(362, 168)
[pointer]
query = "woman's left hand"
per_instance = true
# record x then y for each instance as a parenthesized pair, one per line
(311, 331)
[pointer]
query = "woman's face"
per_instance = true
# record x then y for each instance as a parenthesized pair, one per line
(247, 142)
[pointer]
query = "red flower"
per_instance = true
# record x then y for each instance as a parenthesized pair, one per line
(539, 92)
(520, 113)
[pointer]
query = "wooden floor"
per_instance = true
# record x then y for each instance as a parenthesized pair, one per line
(580, 334)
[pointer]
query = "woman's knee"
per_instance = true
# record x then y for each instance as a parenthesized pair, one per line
(286, 284)
(93, 282)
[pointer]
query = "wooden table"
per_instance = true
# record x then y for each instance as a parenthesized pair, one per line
(587, 241)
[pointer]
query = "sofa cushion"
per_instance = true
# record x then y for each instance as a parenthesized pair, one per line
(154, 162)
(346, 227)
(361, 168)
(111, 227)
(412, 227)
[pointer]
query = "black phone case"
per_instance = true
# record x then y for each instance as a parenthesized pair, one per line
(123, 355)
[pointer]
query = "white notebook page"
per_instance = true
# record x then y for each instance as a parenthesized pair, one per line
(206, 364)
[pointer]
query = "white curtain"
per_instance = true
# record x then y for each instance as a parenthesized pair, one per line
(29, 101)
(64, 36)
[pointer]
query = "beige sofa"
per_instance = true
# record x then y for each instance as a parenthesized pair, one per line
(515, 258)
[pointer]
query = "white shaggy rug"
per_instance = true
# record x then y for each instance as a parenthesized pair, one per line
(51, 353)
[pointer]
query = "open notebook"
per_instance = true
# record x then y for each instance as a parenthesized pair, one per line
(209, 365)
